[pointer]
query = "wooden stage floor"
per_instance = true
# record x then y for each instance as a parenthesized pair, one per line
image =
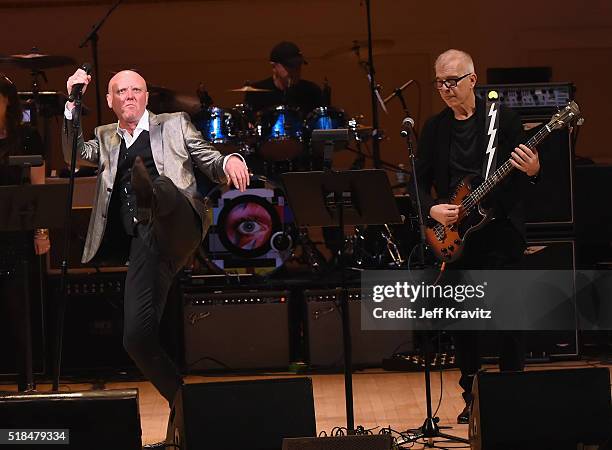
(381, 399)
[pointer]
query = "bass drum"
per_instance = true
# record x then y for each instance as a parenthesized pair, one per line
(280, 131)
(252, 232)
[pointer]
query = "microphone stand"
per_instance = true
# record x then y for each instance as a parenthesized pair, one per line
(93, 37)
(407, 133)
(61, 309)
(430, 428)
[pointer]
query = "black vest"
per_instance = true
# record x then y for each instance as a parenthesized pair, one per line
(123, 185)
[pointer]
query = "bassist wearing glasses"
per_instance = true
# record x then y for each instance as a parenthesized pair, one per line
(458, 143)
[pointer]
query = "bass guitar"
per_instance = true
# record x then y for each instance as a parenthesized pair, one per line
(447, 241)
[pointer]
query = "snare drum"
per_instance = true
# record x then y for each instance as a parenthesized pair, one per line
(228, 129)
(280, 132)
(252, 231)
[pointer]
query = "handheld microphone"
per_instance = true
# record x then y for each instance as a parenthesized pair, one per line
(407, 125)
(78, 87)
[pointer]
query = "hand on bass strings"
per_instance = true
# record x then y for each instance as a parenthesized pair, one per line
(445, 213)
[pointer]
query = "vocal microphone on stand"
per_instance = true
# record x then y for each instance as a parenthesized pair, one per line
(77, 88)
(407, 126)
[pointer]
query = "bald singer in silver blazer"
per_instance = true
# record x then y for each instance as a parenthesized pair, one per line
(175, 144)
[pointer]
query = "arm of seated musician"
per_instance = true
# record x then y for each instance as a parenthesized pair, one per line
(42, 244)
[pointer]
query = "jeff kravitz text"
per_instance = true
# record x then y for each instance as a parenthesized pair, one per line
(433, 295)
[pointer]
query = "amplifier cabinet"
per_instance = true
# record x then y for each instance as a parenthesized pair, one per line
(324, 332)
(236, 330)
(547, 255)
(93, 325)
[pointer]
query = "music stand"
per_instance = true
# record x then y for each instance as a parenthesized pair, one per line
(352, 197)
(24, 208)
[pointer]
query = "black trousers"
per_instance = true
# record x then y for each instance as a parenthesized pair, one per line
(157, 252)
(497, 246)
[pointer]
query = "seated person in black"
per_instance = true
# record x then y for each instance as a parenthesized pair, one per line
(286, 84)
(17, 138)
(286, 87)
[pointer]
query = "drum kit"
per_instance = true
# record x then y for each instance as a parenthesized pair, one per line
(254, 232)
(280, 133)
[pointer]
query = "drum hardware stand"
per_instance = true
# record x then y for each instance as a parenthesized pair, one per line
(326, 93)
(392, 249)
(93, 37)
(336, 199)
(374, 87)
(35, 73)
(312, 256)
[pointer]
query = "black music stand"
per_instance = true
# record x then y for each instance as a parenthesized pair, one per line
(352, 197)
(24, 208)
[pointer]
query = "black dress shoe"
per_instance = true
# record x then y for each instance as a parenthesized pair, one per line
(143, 189)
(464, 416)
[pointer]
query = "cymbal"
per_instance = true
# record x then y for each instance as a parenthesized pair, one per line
(249, 89)
(164, 100)
(378, 45)
(157, 89)
(35, 60)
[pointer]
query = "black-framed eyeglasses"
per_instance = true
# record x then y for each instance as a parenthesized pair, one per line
(449, 82)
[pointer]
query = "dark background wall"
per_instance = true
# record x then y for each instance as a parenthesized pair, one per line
(225, 42)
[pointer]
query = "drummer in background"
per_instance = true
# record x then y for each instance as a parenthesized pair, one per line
(286, 84)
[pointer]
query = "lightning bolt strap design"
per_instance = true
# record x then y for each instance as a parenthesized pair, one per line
(492, 132)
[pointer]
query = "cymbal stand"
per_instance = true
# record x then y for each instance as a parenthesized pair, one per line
(374, 88)
(35, 73)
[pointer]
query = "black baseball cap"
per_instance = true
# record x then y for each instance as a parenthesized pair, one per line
(288, 54)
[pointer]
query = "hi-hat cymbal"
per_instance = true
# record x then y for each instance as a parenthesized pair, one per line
(249, 89)
(35, 60)
(361, 47)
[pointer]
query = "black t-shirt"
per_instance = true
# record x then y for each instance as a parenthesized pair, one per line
(464, 156)
(305, 95)
(26, 141)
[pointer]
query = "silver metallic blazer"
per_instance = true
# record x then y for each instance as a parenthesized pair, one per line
(176, 146)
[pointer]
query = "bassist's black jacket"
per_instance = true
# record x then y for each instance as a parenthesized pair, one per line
(432, 163)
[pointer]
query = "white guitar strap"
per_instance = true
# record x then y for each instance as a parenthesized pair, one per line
(492, 127)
